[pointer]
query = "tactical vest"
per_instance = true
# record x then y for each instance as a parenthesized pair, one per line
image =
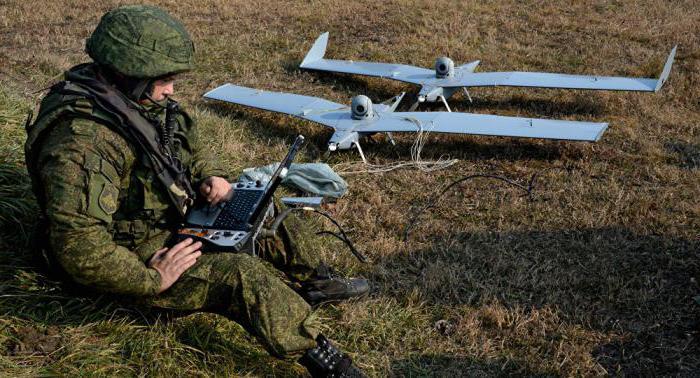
(146, 202)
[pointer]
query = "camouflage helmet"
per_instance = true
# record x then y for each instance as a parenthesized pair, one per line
(142, 42)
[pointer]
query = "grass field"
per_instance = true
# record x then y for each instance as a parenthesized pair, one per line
(595, 273)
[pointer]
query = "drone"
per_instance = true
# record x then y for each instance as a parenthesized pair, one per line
(446, 79)
(363, 118)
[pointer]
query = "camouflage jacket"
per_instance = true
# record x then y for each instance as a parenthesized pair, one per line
(102, 203)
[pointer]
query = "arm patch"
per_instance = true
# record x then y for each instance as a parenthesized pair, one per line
(103, 194)
(108, 199)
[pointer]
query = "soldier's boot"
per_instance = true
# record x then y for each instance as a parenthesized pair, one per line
(326, 286)
(327, 361)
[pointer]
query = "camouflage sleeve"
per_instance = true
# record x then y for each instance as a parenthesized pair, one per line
(80, 173)
(204, 163)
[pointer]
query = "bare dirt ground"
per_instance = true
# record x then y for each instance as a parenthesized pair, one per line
(595, 273)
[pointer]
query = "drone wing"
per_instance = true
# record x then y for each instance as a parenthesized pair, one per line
(314, 61)
(552, 80)
(485, 124)
(306, 107)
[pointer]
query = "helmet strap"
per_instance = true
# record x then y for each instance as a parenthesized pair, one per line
(156, 103)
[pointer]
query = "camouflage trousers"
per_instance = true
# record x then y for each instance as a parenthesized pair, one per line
(253, 291)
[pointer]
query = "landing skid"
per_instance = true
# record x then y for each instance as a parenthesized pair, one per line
(391, 139)
(359, 149)
(466, 92)
(444, 101)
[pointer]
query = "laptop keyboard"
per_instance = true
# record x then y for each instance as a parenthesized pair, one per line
(234, 214)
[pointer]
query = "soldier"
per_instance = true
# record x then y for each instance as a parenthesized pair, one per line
(113, 180)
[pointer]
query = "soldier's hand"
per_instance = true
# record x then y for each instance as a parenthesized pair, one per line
(216, 189)
(172, 262)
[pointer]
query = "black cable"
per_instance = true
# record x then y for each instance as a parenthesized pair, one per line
(335, 235)
(343, 236)
(346, 239)
(347, 242)
(528, 189)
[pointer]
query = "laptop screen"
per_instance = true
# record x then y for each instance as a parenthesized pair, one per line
(275, 179)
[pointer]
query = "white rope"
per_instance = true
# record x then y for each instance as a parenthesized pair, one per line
(415, 162)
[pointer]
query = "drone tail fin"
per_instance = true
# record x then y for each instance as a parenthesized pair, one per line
(667, 69)
(397, 101)
(318, 50)
(469, 67)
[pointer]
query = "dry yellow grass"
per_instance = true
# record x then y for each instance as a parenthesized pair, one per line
(594, 274)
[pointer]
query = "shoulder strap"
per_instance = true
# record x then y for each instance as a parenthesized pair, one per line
(168, 169)
(77, 97)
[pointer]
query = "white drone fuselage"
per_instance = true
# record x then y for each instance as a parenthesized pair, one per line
(437, 87)
(350, 124)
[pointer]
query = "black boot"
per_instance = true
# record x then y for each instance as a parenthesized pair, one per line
(327, 361)
(326, 286)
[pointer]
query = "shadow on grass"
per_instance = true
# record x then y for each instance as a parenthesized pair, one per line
(540, 108)
(608, 279)
(352, 85)
(688, 154)
(223, 341)
(437, 365)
